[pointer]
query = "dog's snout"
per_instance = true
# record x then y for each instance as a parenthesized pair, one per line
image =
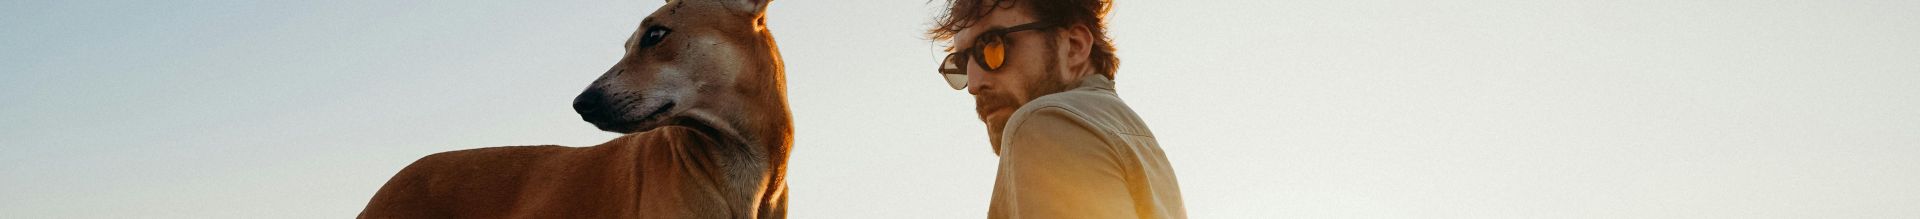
(588, 102)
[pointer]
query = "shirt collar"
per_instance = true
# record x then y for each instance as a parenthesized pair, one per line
(1098, 82)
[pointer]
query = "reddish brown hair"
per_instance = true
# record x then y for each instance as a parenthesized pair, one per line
(1089, 13)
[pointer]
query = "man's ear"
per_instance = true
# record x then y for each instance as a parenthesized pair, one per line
(1079, 48)
(754, 8)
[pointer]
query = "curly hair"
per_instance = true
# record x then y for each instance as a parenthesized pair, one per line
(1089, 13)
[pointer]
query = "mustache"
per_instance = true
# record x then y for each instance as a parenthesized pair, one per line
(989, 101)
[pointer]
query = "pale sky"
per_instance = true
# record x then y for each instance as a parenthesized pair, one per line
(1267, 109)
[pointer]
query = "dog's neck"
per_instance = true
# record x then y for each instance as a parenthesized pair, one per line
(763, 129)
(771, 120)
(762, 119)
(772, 130)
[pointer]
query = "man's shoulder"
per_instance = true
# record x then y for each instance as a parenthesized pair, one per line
(1073, 104)
(1098, 109)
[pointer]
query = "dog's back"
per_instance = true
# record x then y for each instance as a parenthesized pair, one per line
(602, 181)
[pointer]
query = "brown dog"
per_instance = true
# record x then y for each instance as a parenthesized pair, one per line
(703, 84)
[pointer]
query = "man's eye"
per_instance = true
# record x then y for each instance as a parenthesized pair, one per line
(653, 36)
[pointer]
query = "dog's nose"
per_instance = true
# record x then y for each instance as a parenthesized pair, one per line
(588, 102)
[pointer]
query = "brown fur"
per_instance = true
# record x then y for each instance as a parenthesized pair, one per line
(717, 148)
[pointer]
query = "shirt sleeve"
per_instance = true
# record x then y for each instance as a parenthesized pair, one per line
(1056, 165)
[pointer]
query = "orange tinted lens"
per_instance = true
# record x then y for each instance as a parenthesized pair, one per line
(993, 53)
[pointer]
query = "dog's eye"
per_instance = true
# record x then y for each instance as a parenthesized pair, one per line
(653, 36)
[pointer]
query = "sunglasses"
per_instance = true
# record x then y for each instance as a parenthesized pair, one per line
(989, 51)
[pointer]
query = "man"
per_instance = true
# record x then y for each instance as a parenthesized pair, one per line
(1041, 73)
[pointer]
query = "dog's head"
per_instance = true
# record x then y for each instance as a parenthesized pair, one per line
(708, 60)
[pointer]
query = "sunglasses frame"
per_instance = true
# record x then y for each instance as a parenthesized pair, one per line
(973, 52)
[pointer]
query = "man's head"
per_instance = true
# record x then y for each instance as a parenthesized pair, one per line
(705, 60)
(1009, 52)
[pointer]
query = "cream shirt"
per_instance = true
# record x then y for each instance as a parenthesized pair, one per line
(1082, 153)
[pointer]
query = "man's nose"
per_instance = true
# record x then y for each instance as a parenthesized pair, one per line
(976, 79)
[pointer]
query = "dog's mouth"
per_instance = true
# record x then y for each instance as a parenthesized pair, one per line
(648, 121)
(655, 115)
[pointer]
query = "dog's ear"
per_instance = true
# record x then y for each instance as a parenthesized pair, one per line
(753, 8)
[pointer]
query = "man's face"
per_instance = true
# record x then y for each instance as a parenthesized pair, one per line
(1031, 68)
